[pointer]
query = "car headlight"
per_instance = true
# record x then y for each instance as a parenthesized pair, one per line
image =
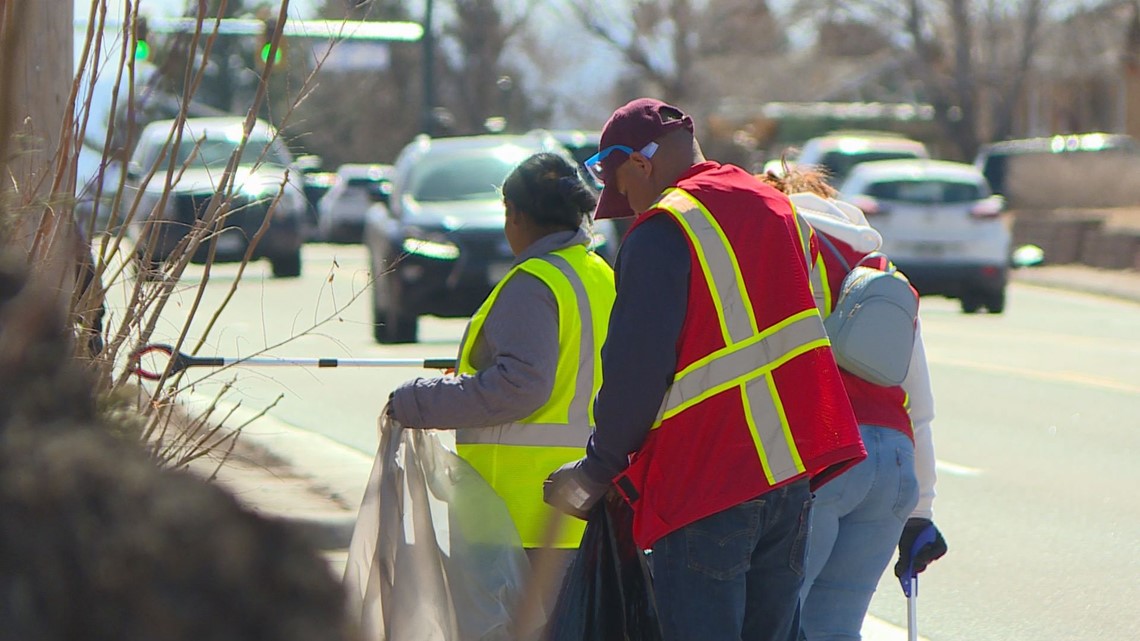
(429, 245)
(259, 190)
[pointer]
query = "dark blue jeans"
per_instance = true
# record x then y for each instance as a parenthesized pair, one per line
(736, 575)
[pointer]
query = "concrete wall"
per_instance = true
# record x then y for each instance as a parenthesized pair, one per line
(1107, 239)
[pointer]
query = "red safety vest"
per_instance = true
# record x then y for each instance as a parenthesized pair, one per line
(757, 401)
(873, 404)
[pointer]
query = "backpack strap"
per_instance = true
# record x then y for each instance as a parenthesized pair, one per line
(835, 250)
(890, 267)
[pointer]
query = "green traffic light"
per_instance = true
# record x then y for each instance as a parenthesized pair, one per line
(142, 50)
(265, 53)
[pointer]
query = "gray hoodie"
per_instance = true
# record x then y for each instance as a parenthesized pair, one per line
(515, 356)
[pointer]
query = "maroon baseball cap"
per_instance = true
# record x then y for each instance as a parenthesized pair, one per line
(634, 125)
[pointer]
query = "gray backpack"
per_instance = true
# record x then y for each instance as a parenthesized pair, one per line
(872, 325)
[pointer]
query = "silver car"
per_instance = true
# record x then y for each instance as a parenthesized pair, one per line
(265, 181)
(340, 212)
(941, 225)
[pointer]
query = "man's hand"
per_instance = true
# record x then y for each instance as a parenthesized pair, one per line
(926, 554)
(569, 490)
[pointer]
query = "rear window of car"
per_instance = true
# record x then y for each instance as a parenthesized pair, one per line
(839, 163)
(464, 177)
(926, 191)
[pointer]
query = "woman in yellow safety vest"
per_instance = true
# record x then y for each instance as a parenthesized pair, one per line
(529, 364)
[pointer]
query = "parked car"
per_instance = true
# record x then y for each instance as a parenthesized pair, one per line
(97, 179)
(995, 160)
(265, 179)
(317, 184)
(837, 153)
(438, 247)
(941, 225)
(340, 212)
(580, 144)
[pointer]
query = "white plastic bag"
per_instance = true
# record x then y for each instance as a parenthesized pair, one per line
(435, 555)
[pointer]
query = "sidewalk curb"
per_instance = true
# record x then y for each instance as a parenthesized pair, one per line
(335, 468)
(1119, 284)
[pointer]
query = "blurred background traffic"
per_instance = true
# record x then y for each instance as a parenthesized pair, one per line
(1043, 98)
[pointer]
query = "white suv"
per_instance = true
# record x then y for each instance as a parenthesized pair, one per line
(940, 224)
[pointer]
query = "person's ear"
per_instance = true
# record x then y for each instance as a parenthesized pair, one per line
(643, 165)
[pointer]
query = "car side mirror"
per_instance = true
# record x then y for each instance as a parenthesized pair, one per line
(380, 192)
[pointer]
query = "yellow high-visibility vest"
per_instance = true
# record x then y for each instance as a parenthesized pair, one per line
(516, 458)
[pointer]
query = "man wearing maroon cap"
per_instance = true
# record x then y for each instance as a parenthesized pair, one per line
(721, 405)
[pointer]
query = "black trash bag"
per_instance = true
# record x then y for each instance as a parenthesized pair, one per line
(607, 593)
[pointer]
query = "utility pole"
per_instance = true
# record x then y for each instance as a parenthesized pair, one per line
(36, 51)
(35, 83)
(429, 71)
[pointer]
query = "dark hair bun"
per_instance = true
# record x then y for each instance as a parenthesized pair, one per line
(549, 189)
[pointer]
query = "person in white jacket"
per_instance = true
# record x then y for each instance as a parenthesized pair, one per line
(886, 500)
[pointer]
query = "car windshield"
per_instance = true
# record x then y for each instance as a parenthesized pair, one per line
(838, 163)
(471, 176)
(215, 152)
(927, 192)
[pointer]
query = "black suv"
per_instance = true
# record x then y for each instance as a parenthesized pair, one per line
(438, 246)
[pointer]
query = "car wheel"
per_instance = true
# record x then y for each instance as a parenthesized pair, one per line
(391, 328)
(971, 303)
(995, 302)
(287, 266)
(390, 325)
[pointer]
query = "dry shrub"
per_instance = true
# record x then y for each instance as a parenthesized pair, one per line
(99, 543)
(78, 273)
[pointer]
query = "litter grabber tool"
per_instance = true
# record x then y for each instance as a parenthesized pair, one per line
(179, 362)
(909, 581)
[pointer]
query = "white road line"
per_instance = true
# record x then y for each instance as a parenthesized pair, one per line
(956, 470)
(1058, 376)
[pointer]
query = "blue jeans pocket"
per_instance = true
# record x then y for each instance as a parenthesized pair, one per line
(798, 552)
(908, 483)
(720, 546)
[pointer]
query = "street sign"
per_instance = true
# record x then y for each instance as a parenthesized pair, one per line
(351, 56)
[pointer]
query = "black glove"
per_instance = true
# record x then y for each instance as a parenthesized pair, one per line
(929, 552)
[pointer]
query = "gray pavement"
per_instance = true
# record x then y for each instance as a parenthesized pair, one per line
(316, 483)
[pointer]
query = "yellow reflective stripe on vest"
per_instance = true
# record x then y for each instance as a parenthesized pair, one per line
(819, 288)
(736, 364)
(717, 261)
(575, 430)
(804, 229)
(750, 355)
(529, 434)
(762, 407)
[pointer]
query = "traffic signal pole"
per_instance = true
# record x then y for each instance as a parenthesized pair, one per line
(429, 71)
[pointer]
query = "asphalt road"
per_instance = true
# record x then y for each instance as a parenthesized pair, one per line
(1036, 433)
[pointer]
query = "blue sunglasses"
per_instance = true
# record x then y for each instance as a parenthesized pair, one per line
(594, 164)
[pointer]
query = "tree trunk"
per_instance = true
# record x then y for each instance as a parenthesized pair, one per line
(35, 135)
